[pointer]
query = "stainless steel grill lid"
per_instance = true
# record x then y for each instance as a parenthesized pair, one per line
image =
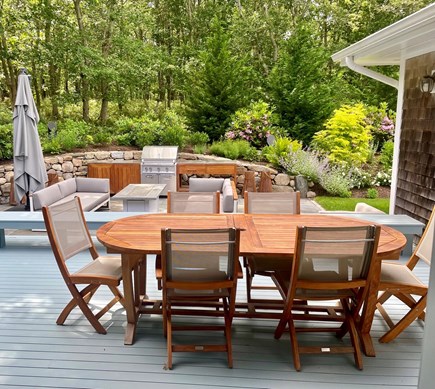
(162, 153)
(158, 166)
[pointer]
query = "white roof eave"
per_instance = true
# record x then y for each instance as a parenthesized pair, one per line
(409, 37)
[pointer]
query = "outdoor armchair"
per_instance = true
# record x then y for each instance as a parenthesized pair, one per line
(400, 281)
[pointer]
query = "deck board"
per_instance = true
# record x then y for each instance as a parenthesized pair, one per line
(36, 353)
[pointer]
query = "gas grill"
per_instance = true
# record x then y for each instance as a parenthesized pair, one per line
(158, 166)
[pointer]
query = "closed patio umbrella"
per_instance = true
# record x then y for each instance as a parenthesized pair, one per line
(30, 173)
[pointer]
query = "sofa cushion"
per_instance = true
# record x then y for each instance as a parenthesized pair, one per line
(67, 187)
(205, 184)
(46, 196)
(88, 200)
(227, 196)
(85, 184)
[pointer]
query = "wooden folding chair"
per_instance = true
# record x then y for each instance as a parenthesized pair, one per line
(186, 202)
(267, 203)
(330, 264)
(399, 280)
(199, 278)
(69, 236)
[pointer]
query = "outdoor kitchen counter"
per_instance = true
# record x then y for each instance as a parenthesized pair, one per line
(119, 173)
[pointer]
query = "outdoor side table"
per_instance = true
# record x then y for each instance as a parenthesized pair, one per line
(140, 197)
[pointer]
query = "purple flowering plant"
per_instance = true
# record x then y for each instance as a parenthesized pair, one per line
(253, 124)
(381, 121)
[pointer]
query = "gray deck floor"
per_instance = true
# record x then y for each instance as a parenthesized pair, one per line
(35, 352)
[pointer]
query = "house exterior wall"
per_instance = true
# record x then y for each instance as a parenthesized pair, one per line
(416, 170)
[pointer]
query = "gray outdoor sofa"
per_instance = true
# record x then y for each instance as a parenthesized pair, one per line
(224, 186)
(93, 193)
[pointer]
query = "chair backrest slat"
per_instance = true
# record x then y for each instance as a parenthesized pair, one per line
(68, 228)
(335, 254)
(193, 202)
(272, 202)
(199, 255)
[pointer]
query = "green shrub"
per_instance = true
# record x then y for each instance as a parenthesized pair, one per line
(200, 149)
(372, 193)
(336, 182)
(280, 149)
(238, 149)
(5, 114)
(70, 135)
(252, 124)
(196, 138)
(386, 157)
(6, 141)
(172, 130)
(346, 138)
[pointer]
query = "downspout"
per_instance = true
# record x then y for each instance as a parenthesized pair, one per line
(349, 61)
(371, 73)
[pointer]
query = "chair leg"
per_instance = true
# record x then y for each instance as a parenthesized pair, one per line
(353, 333)
(412, 315)
(227, 330)
(88, 313)
(294, 345)
(283, 321)
(117, 293)
(168, 331)
(86, 294)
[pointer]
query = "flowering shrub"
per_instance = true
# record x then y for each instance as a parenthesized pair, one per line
(253, 124)
(381, 122)
(382, 178)
(360, 178)
(305, 163)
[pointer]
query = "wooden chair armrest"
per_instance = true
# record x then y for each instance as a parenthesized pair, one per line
(233, 187)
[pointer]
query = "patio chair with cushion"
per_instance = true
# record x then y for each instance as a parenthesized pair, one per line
(400, 281)
(69, 236)
(330, 264)
(267, 203)
(199, 278)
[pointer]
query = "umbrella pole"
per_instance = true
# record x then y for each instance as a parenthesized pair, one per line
(27, 206)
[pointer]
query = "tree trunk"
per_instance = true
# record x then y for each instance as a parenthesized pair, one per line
(84, 81)
(105, 50)
(8, 69)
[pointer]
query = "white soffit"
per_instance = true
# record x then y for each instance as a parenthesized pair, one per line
(407, 38)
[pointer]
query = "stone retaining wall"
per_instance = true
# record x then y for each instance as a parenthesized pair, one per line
(76, 164)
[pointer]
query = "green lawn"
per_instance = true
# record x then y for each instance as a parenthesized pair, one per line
(348, 204)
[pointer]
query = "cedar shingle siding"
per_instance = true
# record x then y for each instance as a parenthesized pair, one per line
(416, 176)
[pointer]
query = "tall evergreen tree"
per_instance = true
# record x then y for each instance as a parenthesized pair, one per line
(217, 87)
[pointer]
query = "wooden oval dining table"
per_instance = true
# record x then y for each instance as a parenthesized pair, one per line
(261, 234)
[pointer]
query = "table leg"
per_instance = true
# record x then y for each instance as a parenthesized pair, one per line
(142, 281)
(369, 312)
(2, 238)
(129, 264)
